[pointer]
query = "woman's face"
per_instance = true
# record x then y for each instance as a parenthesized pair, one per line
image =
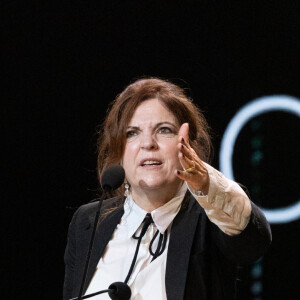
(151, 155)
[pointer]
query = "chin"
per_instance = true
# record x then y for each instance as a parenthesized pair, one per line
(151, 185)
(155, 182)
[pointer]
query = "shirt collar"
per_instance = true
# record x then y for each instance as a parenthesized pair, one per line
(162, 216)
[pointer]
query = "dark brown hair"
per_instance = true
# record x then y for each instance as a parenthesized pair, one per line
(112, 134)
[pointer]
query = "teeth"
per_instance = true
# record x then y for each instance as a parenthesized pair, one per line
(151, 162)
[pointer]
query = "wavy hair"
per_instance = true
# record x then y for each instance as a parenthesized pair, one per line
(112, 133)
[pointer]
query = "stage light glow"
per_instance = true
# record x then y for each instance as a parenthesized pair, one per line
(256, 107)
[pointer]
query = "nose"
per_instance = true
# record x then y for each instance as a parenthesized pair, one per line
(148, 142)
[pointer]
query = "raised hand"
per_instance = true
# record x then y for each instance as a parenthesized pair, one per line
(194, 171)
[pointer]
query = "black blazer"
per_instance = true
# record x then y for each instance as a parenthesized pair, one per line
(201, 260)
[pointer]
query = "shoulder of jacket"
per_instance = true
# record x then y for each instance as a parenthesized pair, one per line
(91, 208)
(86, 213)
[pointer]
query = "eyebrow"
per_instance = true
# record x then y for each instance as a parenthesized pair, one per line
(156, 125)
(166, 122)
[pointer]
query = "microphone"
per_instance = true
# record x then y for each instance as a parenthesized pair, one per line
(112, 178)
(120, 291)
(116, 291)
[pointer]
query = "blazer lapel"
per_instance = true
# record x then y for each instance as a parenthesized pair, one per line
(181, 240)
(103, 235)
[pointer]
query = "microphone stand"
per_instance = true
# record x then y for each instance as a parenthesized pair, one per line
(116, 291)
(106, 189)
(94, 294)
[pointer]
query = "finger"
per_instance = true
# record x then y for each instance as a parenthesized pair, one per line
(191, 154)
(185, 161)
(186, 151)
(196, 180)
(186, 176)
(183, 134)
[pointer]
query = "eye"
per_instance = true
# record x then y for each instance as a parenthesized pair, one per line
(131, 133)
(165, 130)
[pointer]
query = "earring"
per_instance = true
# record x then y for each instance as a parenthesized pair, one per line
(126, 194)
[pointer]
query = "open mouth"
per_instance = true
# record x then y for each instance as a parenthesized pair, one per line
(151, 163)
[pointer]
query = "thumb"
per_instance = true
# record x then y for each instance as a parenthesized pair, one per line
(184, 132)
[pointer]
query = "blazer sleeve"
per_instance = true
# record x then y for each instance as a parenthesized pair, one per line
(239, 228)
(250, 244)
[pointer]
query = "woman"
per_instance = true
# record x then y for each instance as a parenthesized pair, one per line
(198, 225)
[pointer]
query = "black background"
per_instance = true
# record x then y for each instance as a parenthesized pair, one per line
(64, 62)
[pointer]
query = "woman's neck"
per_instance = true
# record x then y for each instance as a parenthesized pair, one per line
(150, 199)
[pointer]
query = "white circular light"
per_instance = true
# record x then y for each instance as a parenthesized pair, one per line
(259, 106)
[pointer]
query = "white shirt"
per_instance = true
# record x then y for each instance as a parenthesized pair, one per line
(226, 205)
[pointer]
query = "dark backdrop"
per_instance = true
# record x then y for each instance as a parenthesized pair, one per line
(64, 62)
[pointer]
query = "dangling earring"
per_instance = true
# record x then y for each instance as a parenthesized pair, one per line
(126, 194)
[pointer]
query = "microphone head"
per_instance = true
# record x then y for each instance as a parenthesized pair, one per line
(121, 291)
(113, 177)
